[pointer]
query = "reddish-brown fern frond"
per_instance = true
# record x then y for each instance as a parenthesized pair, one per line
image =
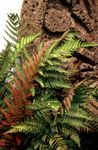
(23, 80)
(20, 98)
(68, 99)
(7, 115)
(28, 74)
(36, 59)
(2, 143)
(30, 63)
(44, 49)
(10, 106)
(93, 106)
(94, 103)
(29, 68)
(20, 90)
(12, 142)
(33, 64)
(16, 111)
(18, 95)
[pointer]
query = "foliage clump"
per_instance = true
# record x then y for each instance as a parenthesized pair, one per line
(41, 107)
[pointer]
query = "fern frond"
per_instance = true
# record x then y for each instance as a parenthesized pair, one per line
(55, 58)
(68, 99)
(69, 46)
(5, 58)
(92, 107)
(8, 59)
(70, 132)
(7, 115)
(27, 127)
(12, 29)
(4, 73)
(24, 41)
(57, 141)
(10, 106)
(81, 120)
(37, 89)
(82, 95)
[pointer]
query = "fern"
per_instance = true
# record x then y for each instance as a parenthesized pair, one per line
(27, 127)
(4, 57)
(54, 60)
(42, 82)
(8, 60)
(9, 56)
(12, 30)
(52, 128)
(71, 44)
(82, 95)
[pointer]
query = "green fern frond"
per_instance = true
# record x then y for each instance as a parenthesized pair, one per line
(21, 45)
(5, 58)
(82, 95)
(27, 127)
(76, 123)
(56, 56)
(52, 82)
(4, 72)
(57, 141)
(12, 29)
(26, 40)
(68, 131)
(4, 54)
(69, 46)
(83, 121)
(45, 104)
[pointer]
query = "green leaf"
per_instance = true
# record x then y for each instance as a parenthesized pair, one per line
(32, 91)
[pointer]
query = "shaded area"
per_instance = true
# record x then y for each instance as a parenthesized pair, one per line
(89, 141)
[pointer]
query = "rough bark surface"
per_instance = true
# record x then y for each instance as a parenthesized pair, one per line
(54, 17)
(59, 15)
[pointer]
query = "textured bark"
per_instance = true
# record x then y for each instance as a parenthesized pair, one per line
(59, 15)
(54, 17)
